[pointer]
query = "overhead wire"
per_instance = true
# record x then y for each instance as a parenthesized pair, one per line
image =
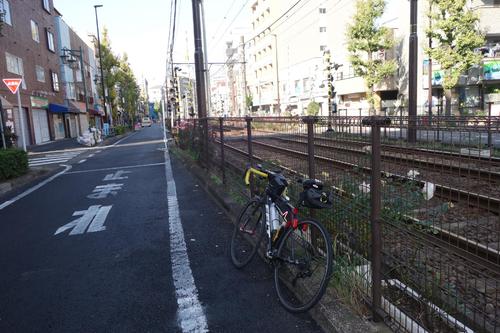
(225, 16)
(230, 24)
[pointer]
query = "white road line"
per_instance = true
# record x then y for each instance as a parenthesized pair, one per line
(48, 162)
(82, 161)
(117, 142)
(115, 168)
(91, 155)
(190, 313)
(34, 188)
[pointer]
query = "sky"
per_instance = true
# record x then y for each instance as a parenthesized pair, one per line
(140, 29)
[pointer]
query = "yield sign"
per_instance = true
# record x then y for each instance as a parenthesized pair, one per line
(13, 84)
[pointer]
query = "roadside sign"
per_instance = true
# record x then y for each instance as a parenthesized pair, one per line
(12, 84)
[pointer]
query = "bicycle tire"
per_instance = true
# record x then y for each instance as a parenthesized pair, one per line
(298, 288)
(247, 237)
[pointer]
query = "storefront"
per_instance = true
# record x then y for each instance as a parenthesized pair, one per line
(40, 119)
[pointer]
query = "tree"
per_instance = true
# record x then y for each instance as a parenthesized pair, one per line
(455, 35)
(119, 80)
(249, 102)
(365, 41)
(313, 108)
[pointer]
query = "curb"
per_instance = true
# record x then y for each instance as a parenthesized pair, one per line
(328, 313)
(11, 185)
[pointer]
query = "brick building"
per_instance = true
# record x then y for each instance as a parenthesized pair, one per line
(28, 50)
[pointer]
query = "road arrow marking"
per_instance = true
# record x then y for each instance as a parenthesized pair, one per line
(116, 176)
(95, 216)
(102, 191)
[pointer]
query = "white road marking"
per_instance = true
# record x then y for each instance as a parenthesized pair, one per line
(102, 191)
(116, 168)
(116, 176)
(52, 158)
(190, 312)
(34, 188)
(128, 136)
(98, 222)
(82, 161)
(94, 214)
(91, 155)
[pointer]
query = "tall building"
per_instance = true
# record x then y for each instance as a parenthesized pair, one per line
(286, 64)
(29, 51)
(83, 108)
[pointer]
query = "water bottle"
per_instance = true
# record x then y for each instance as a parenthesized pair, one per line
(274, 216)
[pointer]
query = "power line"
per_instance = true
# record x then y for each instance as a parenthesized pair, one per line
(274, 22)
(230, 24)
(225, 16)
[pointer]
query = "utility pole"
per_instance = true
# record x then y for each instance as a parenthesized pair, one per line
(198, 61)
(107, 114)
(278, 102)
(201, 91)
(244, 73)
(429, 69)
(413, 67)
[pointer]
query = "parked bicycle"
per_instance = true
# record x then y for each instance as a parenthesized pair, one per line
(299, 249)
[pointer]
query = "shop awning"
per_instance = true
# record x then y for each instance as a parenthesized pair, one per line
(96, 112)
(5, 103)
(72, 108)
(58, 108)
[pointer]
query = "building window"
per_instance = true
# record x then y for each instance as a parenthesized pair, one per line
(322, 29)
(46, 5)
(55, 81)
(50, 41)
(322, 47)
(5, 12)
(15, 66)
(34, 31)
(40, 73)
(322, 10)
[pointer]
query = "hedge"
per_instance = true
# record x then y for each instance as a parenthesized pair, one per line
(13, 163)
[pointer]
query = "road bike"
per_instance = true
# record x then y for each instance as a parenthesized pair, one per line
(299, 249)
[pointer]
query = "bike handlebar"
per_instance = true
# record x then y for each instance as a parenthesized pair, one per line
(261, 173)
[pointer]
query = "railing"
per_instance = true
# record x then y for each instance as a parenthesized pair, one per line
(416, 226)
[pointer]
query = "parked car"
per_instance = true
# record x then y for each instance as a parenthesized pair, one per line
(146, 122)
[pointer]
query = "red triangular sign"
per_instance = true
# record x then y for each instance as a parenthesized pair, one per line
(13, 84)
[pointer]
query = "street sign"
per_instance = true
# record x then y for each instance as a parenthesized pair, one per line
(12, 84)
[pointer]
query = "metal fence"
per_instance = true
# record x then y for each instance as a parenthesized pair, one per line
(416, 227)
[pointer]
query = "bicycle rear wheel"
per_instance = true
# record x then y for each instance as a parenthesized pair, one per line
(248, 233)
(303, 266)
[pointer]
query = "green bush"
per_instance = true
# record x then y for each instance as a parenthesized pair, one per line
(13, 163)
(120, 129)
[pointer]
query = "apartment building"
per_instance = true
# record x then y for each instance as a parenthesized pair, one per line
(80, 94)
(286, 67)
(29, 51)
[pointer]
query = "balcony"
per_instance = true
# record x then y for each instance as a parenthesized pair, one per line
(488, 16)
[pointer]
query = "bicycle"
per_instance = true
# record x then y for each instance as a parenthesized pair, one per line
(300, 250)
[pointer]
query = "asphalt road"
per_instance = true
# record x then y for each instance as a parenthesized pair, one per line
(90, 252)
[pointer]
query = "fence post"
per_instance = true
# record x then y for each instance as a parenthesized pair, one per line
(439, 108)
(222, 155)
(248, 120)
(375, 218)
(310, 121)
(489, 125)
(360, 123)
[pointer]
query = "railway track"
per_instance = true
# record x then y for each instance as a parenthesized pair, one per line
(399, 156)
(462, 246)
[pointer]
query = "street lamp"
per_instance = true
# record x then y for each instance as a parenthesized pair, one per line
(100, 65)
(68, 57)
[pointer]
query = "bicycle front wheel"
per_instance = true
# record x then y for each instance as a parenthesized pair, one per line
(303, 266)
(248, 233)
